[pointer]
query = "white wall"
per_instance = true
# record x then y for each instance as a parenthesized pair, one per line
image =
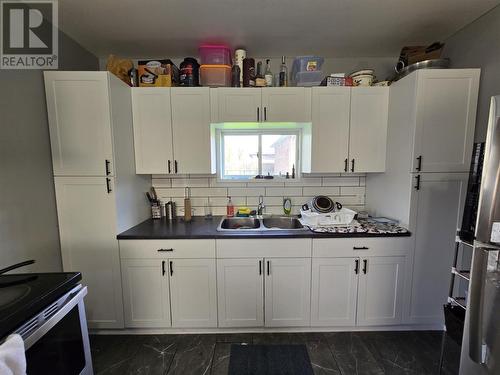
(478, 46)
(28, 217)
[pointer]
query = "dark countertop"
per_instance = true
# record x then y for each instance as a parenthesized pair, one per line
(200, 228)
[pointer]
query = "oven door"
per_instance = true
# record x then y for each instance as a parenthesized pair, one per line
(56, 340)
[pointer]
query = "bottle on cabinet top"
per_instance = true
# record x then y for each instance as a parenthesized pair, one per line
(283, 77)
(268, 74)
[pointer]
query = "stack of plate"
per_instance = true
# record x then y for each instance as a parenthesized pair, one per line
(363, 77)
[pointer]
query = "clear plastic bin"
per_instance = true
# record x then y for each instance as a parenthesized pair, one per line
(215, 75)
(307, 64)
(308, 79)
(211, 54)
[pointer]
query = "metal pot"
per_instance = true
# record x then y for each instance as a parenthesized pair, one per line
(321, 204)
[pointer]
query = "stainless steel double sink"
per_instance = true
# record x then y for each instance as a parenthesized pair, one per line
(255, 224)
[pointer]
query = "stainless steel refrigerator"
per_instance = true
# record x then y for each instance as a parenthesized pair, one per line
(481, 341)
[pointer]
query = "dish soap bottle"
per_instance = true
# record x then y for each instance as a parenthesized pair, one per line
(229, 207)
(287, 206)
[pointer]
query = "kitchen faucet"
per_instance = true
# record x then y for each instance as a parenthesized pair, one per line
(261, 206)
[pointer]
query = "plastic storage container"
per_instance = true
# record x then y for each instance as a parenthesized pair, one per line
(211, 54)
(215, 75)
(307, 64)
(308, 79)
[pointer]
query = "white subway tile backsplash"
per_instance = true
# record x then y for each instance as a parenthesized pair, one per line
(169, 192)
(191, 182)
(268, 201)
(341, 181)
(348, 189)
(351, 190)
(283, 192)
(208, 192)
(161, 182)
(314, 181)
(213, 182)
(248, 191)
(222, 201)
(323, 190)
(199, 202)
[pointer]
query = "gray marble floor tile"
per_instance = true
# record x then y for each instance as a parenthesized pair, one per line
(194, 355)
(220, 362)
(321, 357)
(235, 337)
(352, 355)
(392, 352)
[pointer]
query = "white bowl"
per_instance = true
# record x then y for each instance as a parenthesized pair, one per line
(362, 72)
(363, 80)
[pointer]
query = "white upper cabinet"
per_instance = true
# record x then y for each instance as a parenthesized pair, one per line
(237, 105)
(330, 129)
(193, 292)
(146, 301)
(368, 129)
(445, 119)
(152, 117)
(87, 227)
(381, 286)
(240, 292)
(287, 292)
(191, 130)
(334, 291)
(79, 122)
(281, 104)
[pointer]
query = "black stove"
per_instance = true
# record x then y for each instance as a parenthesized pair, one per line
(24, 295)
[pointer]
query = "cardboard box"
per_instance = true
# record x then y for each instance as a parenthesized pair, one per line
(157, 73)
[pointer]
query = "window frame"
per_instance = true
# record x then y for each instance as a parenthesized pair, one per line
(276, 131)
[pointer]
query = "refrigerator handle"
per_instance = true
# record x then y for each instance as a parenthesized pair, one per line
(475, 304)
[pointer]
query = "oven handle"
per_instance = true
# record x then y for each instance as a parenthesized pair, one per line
(74, 297)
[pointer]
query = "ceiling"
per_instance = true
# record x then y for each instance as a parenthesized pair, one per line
(331, 28)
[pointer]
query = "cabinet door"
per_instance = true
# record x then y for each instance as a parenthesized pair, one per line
(381, 286)
(146, 300)
(368, 129)
(79, 123)
(286, 104)
(287, 292)
(151, 112)
(240, 287)
(438, 206)
(334, 291)
(87, 230)
(330, 129)
(238, 104)
(191, 129)
(193, 294)
(446, 117)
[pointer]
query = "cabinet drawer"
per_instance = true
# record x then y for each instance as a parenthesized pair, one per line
(130, 249)
(263, 247)
(354, 247)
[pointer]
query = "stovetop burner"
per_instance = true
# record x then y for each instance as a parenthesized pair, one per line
(24, 295)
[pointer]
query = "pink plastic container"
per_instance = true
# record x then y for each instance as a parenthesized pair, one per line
(212, 54)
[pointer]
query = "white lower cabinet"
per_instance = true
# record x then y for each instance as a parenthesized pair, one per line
(240, 286)
(334, 291)
(287, 292)
(244, 285)
(169, 292)
(146, 297)
(193, 292)
(381, 285)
